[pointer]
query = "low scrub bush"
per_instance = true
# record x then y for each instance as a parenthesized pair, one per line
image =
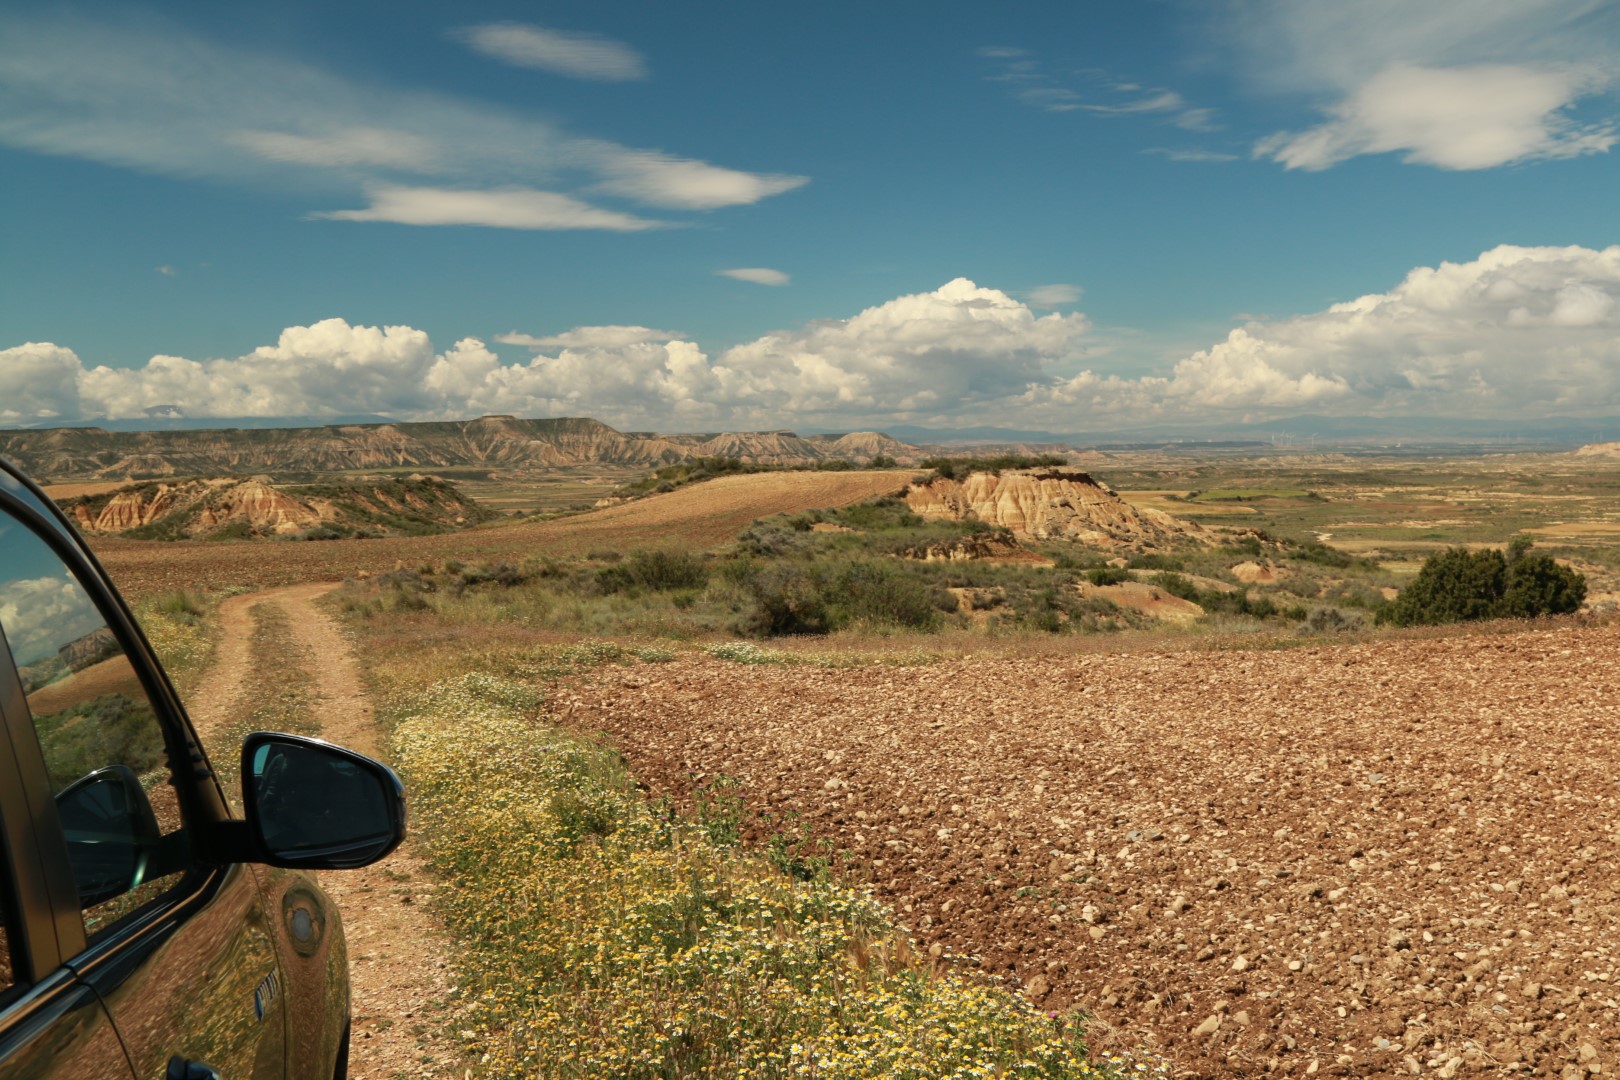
(655, 571)
(1459, 585)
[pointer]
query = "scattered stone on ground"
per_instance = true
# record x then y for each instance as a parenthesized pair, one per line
(1378, 859)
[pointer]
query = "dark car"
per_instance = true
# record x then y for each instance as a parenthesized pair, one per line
(148, 931)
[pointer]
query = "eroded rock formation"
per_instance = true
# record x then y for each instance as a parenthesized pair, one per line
(1052, 504)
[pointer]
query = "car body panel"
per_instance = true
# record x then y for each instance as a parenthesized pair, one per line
(59, 1030)
(203, 984)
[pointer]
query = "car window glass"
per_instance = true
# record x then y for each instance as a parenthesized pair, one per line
(102, 742)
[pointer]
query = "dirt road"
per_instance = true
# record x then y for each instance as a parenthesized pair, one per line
(397, 951)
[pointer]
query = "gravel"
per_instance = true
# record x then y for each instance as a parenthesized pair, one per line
(1379, 859)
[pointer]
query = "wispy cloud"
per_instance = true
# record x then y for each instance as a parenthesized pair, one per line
(1091, 90)
(580, 56)
(1474, 117)
(1160, 101)
(759, 275)
(1451, 84)
(1052, 296)
(590, 337)
(166, 270)
(162, 100)
(1191, 155)
(501, 208)
(683, 184)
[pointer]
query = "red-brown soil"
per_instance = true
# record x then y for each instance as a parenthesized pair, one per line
(1377, 859)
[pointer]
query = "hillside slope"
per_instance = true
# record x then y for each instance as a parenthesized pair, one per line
(490, 441)
(243, 509)
(690, 518)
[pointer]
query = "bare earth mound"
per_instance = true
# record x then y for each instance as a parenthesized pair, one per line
(697, 517)
(1052, 504)
(1371, 860)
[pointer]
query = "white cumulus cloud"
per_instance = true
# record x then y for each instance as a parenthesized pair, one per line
(582, 56)
(1517, 332)
(39, 381)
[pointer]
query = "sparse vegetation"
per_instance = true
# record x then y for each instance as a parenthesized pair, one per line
(953, 468)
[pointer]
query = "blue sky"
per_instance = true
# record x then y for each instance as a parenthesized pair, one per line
(756, 215)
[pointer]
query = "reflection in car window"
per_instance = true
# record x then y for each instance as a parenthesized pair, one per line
(93, 717)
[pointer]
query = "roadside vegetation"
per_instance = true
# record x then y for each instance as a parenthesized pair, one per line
(180, 628)
(604, 935)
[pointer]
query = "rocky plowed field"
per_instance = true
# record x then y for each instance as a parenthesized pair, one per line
(1377, 859)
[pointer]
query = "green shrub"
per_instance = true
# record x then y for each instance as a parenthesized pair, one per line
(1536, 585)
(883, 594)
(1459, 585)
(655, 571)
(1176, 585)
(787, 600)
(1107, 575)
(1317, 552)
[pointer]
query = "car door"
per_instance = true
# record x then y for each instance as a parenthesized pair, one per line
(176, 947)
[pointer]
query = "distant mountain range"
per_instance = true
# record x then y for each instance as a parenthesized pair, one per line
(1300, 431)
(168, 446)
(502, 442)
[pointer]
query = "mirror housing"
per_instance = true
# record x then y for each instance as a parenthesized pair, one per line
(111, 832)
(315, 806)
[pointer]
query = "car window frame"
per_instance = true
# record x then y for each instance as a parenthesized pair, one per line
(50, 932)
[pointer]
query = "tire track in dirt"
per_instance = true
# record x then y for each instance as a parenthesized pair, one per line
(399, 971)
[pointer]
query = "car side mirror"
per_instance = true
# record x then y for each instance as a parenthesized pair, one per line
(111, 832)
(314, 806)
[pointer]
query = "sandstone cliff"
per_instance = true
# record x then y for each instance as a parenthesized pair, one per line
(1052, 504)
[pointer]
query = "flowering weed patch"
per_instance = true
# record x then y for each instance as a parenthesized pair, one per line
(602, 936)
(180, 632)
(744, 652)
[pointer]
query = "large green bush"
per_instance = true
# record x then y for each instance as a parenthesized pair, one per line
(1459, 585)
